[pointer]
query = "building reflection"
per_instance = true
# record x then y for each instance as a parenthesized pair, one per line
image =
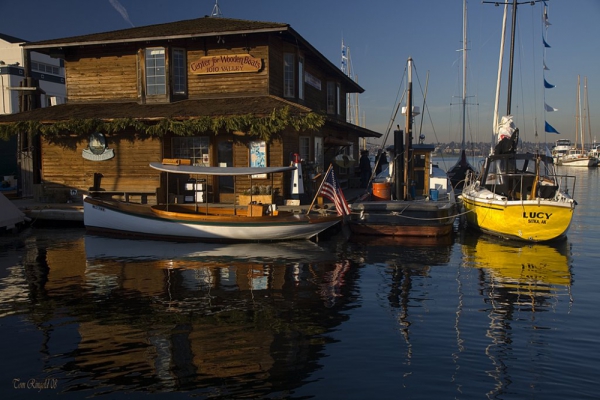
(244, 320)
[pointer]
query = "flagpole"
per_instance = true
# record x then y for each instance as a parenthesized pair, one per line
(320, 187)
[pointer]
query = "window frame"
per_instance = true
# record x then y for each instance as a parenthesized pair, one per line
(300, 77)
(195, 148)
(289, 89)
(148, 76)
(179, 72)
(331, 103)
(304, 148)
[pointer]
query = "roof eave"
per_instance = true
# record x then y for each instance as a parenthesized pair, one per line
(37, 47)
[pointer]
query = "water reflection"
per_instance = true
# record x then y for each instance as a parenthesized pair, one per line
(406, 265)
(232, 320)
(521, 275)
(518, 282)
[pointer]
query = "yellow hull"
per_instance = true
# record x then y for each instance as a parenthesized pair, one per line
(534, 267)
(528, 220)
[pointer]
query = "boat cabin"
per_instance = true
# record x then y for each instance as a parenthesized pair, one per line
(213, 92)
(520, 176)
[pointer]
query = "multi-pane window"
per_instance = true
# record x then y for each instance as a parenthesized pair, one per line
(45, 68)
(288, 75)
(305, 148)
(179, 72)
(301, 78)
(195, 148)
(331, 93)
(156, 82)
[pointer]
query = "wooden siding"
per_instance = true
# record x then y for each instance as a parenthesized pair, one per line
(64, 168)
(98, 76)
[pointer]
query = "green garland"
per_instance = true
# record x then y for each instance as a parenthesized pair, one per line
(260, 127)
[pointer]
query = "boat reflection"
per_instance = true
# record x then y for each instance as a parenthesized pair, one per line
(406, 265)
(97, 247)
(519, 282)
(152, 316)
(397, 251)
(537, 270)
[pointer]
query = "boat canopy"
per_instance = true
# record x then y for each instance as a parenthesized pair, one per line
(219, 171)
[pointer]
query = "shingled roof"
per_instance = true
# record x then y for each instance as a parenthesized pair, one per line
(181, 110)
(190, 28)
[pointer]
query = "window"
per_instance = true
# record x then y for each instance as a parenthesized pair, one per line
(45, 68)
(337, 99)
(288, 75)
(331, 97)
(318, 154)
(195, 148)
(301, 78)
(305, 148)
(179, 72)
(156, 83)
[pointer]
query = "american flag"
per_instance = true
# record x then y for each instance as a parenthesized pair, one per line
(333, 192)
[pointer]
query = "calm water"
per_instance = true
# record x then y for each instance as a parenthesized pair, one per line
(359, 318)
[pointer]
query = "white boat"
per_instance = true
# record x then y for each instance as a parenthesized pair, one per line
(213, 223)
(518, 195)
(415, 209)
(560, 148)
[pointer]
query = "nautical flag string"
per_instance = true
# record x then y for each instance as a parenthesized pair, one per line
(547, 108)
(331, 190)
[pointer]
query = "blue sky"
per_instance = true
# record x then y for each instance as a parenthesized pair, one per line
(381, 35)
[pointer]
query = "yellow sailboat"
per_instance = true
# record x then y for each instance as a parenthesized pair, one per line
(518, 195)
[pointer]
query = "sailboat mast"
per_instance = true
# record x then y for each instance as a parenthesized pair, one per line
(578, 124)
(512, 57)
(464, 93)
(499, 79)
(586, 107)
(408, 133)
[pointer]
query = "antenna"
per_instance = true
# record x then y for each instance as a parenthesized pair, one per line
(216, 11)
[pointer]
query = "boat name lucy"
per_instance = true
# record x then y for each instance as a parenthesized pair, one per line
(534, 217)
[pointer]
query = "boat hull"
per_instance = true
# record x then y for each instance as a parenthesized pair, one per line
(403, 218)
(583, 162)
(530, 220)
(120, 218)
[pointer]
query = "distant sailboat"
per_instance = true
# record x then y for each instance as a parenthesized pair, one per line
(572, 156)
(459, 171)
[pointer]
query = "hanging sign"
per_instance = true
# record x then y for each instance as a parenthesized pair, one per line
(225, 64)
(97, 150)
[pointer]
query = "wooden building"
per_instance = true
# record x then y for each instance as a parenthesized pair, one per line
(215, 91)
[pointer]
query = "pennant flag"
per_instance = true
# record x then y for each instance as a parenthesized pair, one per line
(333, 192)
(549, 108)
(547, 85)
(550, 129)
(545, 67)
(546, 20)
(545, 43)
